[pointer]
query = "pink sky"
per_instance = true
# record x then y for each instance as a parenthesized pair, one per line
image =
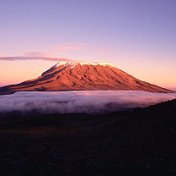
(138, 36)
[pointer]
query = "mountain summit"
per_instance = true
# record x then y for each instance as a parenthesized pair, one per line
(72, 75)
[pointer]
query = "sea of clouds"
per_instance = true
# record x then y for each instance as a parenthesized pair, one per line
(80, 101)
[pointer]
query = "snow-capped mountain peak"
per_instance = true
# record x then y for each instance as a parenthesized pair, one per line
(74, 63)
(79, 75)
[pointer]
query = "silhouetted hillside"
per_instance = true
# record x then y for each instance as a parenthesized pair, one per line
(137, 142)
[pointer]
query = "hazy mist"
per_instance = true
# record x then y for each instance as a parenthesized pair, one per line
(80, 101)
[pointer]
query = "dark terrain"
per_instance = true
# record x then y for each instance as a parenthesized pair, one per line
(141, 142)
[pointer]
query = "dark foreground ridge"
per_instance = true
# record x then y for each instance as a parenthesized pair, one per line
(129, 143)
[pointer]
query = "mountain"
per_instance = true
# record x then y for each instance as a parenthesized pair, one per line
(72, 75)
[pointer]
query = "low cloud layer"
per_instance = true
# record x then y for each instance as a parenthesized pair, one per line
(80, 101)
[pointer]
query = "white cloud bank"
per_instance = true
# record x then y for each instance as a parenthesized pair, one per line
(80, 101)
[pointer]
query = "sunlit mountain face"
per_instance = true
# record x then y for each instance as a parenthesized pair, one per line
(74, 75)
(81, 87)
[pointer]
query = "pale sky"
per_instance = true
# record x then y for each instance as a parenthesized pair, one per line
(138, 36)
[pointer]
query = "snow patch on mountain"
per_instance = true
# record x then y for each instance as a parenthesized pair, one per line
(82, 63)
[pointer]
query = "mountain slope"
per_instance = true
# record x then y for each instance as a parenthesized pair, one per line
(83, 76)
